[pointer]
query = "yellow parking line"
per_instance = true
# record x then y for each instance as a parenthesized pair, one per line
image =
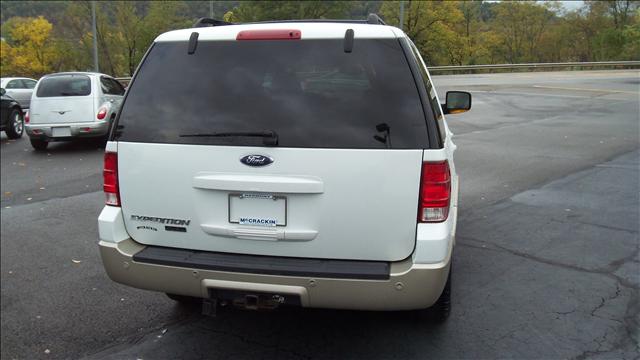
(583, 89)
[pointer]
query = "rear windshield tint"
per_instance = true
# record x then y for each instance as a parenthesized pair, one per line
(64, 85)
(310, 93)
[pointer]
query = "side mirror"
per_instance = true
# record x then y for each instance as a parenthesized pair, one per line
(457, 102)
(2, 91)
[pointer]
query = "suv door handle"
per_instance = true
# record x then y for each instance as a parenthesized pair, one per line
(261, 183)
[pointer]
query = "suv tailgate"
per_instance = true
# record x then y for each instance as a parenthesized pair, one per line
(359, 204)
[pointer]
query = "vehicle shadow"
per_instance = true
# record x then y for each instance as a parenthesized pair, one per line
(79, 145)
(58, 146)
(294, 333)
(5, 140)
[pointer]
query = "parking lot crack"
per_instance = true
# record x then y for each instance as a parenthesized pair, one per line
(603, 301)
(530, 257)
(565, 312)
(608, 270)
(608, 227)
(600, 342)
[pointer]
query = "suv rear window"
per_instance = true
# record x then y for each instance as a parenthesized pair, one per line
(310, 93)
(64, 85)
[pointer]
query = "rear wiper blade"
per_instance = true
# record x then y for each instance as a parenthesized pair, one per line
(270, 136)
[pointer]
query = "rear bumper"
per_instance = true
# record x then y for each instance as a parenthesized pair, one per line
(413, 283)
(84, 129)
(409, 285)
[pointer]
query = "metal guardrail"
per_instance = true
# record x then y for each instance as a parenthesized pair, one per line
(533, 65)
(509, 66)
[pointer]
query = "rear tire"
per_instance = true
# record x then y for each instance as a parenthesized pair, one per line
(440, 311)
(15, 127)
(38, 144)
(183, 299)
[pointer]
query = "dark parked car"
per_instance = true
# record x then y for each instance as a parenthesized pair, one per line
(12, 120)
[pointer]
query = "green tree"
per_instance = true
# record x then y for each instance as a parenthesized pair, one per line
(50, 10)
(130, 25)
(163, 16)
(430, 24)
(631, 33)
(621, 11)
(470, 26)
(600, 31)
(77, 26)
(250, 11)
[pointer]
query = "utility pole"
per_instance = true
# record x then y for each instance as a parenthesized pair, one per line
(401, 15)
(95, 37)
(210, 9)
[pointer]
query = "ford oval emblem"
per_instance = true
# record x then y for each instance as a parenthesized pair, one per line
(256, 160)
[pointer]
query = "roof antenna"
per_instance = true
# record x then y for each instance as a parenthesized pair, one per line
(193, 43)
(348, 41)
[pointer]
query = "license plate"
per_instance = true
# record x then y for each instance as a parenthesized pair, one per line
(61, 131)
(258, 210)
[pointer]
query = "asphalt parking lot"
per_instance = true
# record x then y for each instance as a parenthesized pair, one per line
(547, 260)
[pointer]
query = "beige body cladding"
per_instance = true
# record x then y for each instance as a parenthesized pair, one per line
(410, 286)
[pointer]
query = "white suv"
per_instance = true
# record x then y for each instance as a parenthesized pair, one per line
(301, 163)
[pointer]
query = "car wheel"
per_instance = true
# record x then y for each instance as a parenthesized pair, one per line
(183, 299)
(15, 127)
(439, 312)
(39, 144)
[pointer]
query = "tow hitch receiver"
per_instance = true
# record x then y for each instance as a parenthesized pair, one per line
(209, 307)
(258, 301)
(249, 301)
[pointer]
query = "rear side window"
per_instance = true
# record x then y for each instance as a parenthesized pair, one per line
(111, 87)
(29, 84)
(15, 84)
(310, 93)
(117, 87)
(64, 85)
(431, 93)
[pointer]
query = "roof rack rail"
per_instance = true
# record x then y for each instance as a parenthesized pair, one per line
(307, 21)
(204, 22)
(375, 19)
(371, 19)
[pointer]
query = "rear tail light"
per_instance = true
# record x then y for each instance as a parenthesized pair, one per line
(110, 175)
(26, 117)
(102, 113)
(435, 192)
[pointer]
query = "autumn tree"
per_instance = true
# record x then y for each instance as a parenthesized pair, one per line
(522, 25)
(28, 51)
(446, 32)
